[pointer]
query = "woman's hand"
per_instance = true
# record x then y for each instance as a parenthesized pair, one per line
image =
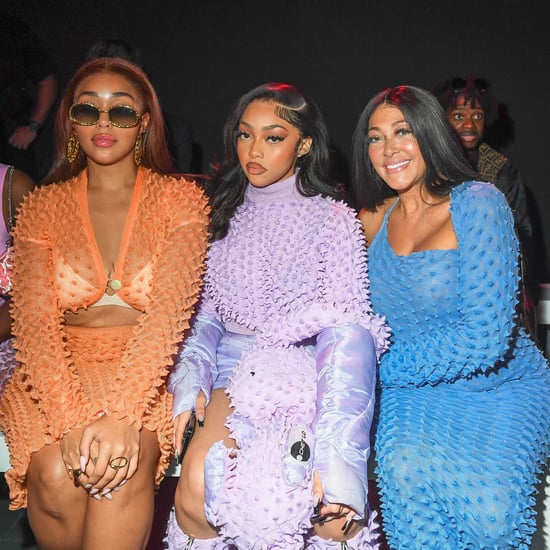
(109, 454)
(331, 521)
(182, 419)
(70, 452)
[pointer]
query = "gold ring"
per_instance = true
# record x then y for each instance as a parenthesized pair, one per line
(76, 477)
(118, 462)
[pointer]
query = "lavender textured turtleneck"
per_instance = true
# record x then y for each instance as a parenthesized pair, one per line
(285, 259)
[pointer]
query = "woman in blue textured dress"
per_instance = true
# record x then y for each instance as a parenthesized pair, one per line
(464, 420)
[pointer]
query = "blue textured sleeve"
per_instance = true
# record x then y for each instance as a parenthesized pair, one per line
(478, 336)
(195, 367)
(346, 364)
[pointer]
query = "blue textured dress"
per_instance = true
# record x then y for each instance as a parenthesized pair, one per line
(464, 420)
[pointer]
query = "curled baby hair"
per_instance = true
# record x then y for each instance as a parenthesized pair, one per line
(228, 184)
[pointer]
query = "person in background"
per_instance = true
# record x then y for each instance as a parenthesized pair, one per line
(283, 350)
(464, 409)
(28, 91)
(472, 109)
(107, 268)
(178, 130)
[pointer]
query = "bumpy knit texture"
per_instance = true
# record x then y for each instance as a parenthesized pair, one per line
(290, 268)
(58, 268)
(464, 422)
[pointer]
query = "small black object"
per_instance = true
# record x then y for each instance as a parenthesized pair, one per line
(187, 435)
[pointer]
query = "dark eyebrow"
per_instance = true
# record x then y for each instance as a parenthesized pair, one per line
(270, 127)
(394, 124)
(114, 94)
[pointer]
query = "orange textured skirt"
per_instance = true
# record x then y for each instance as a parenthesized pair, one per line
(96, 353)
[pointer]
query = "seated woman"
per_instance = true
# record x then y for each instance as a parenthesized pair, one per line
(108, 260)
(283, 349)
(464, 425)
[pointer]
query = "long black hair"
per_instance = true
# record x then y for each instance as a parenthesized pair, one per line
(446, 166)
(227, 185)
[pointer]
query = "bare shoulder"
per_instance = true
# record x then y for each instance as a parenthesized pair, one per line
(22, 184)
(372, 220)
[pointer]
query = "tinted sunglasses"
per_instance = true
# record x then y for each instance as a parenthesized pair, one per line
(459, 83)
(87, 114)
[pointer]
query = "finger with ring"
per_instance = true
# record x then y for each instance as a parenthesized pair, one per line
(118, 462)
(76, 477)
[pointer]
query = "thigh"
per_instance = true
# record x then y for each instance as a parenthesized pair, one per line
(48, 477)
(56, 509)
(214, 430)
(124, 521)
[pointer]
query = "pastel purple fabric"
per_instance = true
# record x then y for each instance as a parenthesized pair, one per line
(286, 322)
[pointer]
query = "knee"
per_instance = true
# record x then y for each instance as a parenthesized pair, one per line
(46, 485)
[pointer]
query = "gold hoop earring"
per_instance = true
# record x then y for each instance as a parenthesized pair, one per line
(138, 149)
(73, 148)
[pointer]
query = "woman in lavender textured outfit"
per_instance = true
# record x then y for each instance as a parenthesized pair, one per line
(283, 349)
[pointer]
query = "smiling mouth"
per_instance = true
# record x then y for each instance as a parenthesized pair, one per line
(396, 166)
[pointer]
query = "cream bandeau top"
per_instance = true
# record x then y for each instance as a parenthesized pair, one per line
(111, 299)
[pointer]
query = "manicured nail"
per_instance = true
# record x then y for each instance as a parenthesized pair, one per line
(88, 486)
(122, 482)
(316, 504)
(82, 463)
(93, 492)
(177, 456)
(107, 495)
(200, 421)
(97, 497)
(346, 525)
(318, 519)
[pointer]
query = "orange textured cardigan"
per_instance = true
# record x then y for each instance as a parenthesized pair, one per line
(58, 268)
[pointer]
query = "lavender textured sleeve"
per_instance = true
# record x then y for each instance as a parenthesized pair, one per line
(195, 368)
(346, 364)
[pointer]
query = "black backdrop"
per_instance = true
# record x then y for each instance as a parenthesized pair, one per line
(202, 54)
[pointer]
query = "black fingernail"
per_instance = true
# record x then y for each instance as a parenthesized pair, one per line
(346, 525)
(201, 423)
(318, 519)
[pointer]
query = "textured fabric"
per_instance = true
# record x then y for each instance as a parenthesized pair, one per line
(494, 167)
(290, 268)
(464, 420)
(176, 539)
(58, 268)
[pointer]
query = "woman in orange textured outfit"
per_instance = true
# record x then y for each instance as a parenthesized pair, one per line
(108, 262)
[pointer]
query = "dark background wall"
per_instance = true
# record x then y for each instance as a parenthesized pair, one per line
(202, 54)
